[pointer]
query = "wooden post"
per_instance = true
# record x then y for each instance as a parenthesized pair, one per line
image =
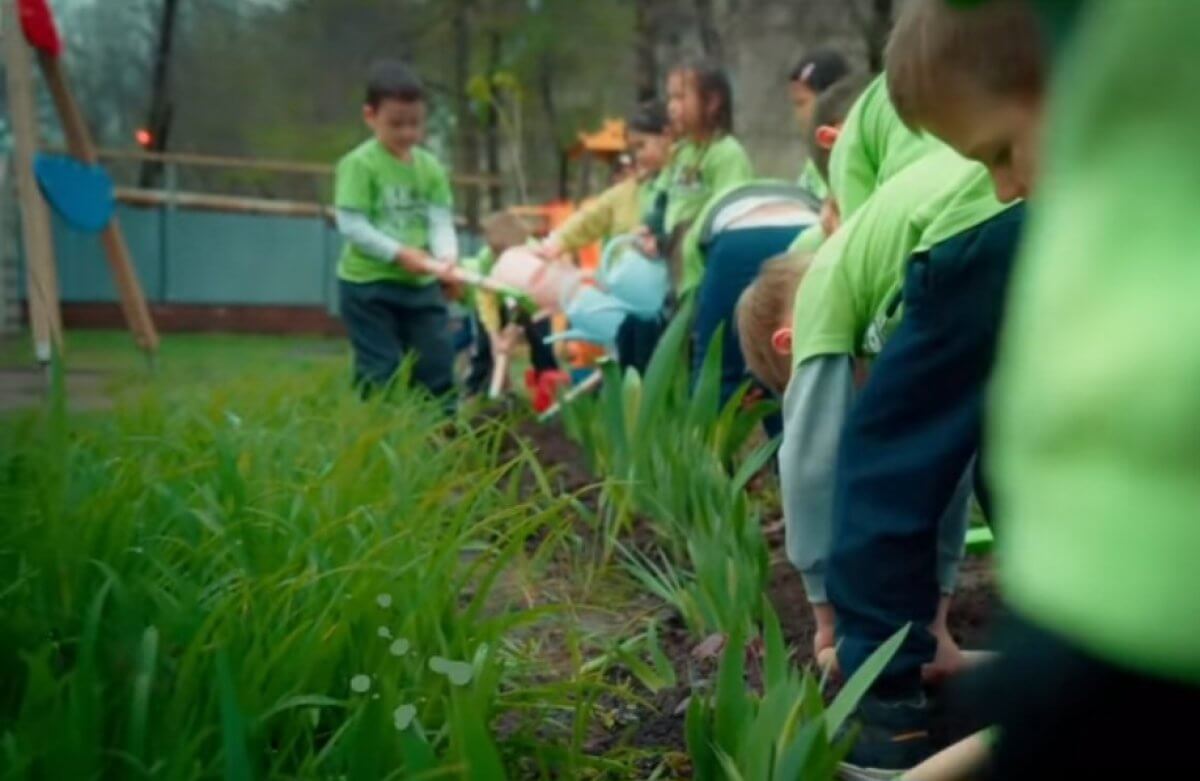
(79, 142)
(45, 318)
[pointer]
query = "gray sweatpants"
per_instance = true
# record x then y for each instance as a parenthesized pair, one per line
(815, 406)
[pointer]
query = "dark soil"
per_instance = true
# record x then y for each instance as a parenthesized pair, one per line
(661, 727)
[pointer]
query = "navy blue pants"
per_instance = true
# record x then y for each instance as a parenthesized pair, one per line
(910, 435)
(386, 321)
(637, 339)
(733, 260)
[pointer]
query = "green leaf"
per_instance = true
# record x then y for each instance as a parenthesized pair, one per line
(848, 698)
(143, 683)
(631, 398)
(753, 463)
(732, 706)
(706, 392)
(775, 667)
(662, 664)
(663, 369)
(697, 727)
(233, 726)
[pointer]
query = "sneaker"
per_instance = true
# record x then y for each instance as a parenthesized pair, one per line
(894, 736)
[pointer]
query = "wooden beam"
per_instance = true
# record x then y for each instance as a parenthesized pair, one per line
(254, 164)
(79, 143)
(45, 317)
(136, 196)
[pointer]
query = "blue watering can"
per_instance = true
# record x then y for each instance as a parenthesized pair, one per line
(639, 283)
(595, 316)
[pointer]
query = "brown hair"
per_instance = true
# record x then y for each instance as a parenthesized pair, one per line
(937, 49)
(832, 107)
(503, 230)
(760, 310)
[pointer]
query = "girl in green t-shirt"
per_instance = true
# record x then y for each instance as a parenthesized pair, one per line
(706, 160)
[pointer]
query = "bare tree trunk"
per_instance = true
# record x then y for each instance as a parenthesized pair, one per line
(468, 140)
(492, 123)
(546, 89)
(158, 122)
(710, 36)
(645, 36)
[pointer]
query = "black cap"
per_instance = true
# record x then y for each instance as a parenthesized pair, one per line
(820, 68)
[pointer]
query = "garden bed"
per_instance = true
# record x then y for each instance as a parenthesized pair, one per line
(242, 552)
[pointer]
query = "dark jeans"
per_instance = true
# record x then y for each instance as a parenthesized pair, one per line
(910, 435)
(541, 355)
(386, 321)
(636, 339)
(733, 259)
(1063, 713)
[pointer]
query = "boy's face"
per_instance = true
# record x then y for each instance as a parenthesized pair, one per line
(649, 151)
(804, 102)
(1002, 133)
(398, 124)
(683, 103)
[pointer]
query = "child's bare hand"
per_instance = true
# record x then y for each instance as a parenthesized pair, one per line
(646, 242)
(824, 639)
(415, 260)
(549, 249)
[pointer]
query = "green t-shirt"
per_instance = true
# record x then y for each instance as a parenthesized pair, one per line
(847, 302)
(874, 146)
(811, 180)
(1096, 410)
(699, 171)
(809, 241)
(396, 196)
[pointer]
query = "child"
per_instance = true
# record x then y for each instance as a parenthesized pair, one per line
(915, 427)
(816, 72)
(1095, 413)
(735, 233)
(393, 209)
(706, 160)
(828, 118)
(845, 309)
(495, 330)
(877, 146)
(620, 209)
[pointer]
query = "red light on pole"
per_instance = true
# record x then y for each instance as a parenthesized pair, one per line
(144, 138)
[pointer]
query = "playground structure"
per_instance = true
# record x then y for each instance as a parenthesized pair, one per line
(190, 260)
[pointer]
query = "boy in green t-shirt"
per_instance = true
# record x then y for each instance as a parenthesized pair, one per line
(816, 72)
(1095, 418)
(921, 219)
(845, 309)
(393, 208)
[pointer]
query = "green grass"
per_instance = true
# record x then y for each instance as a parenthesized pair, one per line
(242, 571)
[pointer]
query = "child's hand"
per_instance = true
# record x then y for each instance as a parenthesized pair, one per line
(415, 260)
(446, 270)
(549, 249)
(824, 640)
(646, 242)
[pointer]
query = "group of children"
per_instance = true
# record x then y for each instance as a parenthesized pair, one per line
(872, 298)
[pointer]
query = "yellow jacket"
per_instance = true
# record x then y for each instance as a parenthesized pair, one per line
(615, 211)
